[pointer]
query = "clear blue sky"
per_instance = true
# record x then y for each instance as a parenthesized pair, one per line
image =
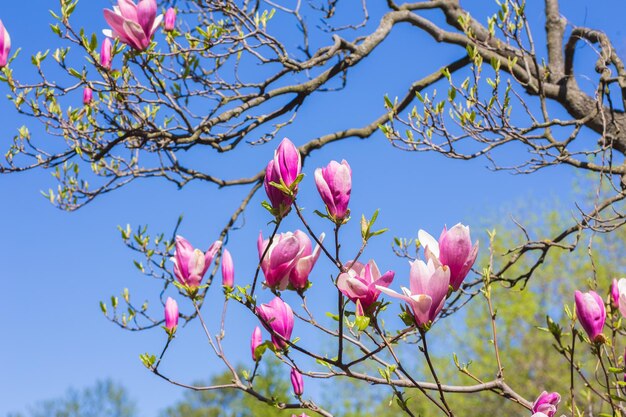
(57, 266)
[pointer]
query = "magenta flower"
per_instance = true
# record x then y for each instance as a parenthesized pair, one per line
(296, 382)
(191, 264)
(334, 183)
(133, 24)
(170, 19)
(426, 296)
(454, 250)
(277, 317)
(621, 299)
(87, 95)
(105, 53)
(615, 293)
(255, 342)
(5, 46)
(228, 270)
(546, 404)
(289, 260)
(283, 169)
(363, 282)
(591, 313)
(171, 315)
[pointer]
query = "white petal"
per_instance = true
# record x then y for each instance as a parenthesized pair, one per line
(426, 240)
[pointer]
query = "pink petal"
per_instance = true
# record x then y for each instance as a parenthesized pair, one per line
(136, 35)
(146, 14)
(128, 10)
(116, 22)
(427, 241)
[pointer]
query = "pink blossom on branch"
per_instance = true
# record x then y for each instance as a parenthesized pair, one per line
(283, 170)
(615, 293)
(426, 296)
(171, 315)
(546, 404)
(297, 382)
(87, 95)
(170, 19)
(363, 282)
(255, 342)
(5, 45)
(454, 250)
(191, 264)
(277, 317)
(621, 299)
(289, 260)
(106, 53)
(133, 24)
(228, 270)
(591, 314)
(334, 183)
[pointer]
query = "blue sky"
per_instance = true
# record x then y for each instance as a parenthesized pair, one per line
(58, 265)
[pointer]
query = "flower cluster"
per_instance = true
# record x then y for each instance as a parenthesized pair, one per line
(287, 260)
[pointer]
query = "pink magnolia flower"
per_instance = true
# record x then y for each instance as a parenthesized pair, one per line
(283, 169)
(87, 95)
(363, 282)
(426, 296)
(454, 250)
(301, 415)
(228, 270)
(615, 293)
(277, 317)
(621, 299)
(289, 260)
(591, 313)
(334, 183)
(296, 382)
(171, 314)
(255, 342)
(105, 53)
(5, 46)
(546, 404)
(133, 24)
(170, 19)
(191, 264)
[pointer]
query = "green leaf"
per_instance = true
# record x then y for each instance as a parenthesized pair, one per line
(147, 360)
(362, 322)
(74, 73)
(55, 29)
(332, 316)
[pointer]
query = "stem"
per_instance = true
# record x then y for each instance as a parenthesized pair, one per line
(156, 366)
(432, 371)
(492, 315)
(571, 376)
(314, 236)
(606, 377)
(401, 369)
(267, 248)
(340, 301)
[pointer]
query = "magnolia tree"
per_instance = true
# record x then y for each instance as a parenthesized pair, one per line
(156, 86)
